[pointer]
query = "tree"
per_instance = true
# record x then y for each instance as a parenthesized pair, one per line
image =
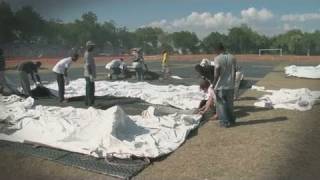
(7, 23)
(212, 40)
(186, 41)
(126, 39)
(244, 40)
(26, 25)
(30, 24)
(149, 39)
(290, 42)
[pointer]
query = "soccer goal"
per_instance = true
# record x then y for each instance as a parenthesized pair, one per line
(263, 50)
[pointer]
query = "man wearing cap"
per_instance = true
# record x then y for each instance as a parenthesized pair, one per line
(61, 71)
(25, 69)
(138, 63)
(89, 73)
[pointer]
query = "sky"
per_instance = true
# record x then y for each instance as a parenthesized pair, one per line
(269, 17)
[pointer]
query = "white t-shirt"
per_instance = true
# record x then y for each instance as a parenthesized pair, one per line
(62, 65)
(227, 64)
(116, 63)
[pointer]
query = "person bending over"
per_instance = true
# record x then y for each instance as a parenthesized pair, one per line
(61, 71)
(206, 70)
(24, 70)
(206, 105)
(116, 66)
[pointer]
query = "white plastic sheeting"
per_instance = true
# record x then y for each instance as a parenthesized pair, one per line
(293, 99)
(312, 72)
(94, 132)
(180, 96)
(176, 77)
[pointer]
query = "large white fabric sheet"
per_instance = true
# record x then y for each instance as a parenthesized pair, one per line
(180, 96)
(94, 132)
(293, 99)
(312, 72)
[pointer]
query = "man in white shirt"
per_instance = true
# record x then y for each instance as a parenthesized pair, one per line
(61, 70)
(224, 82)
(116, 66)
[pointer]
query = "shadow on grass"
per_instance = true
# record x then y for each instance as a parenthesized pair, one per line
(262, 121)
(247, 84)
(243, 111)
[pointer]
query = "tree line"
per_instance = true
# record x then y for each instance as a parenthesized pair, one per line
(26, 26)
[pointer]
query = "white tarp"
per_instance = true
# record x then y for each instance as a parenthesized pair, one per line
(312, 72)
(176, 77)
(180, 96)
(92, 131)
(293, 99)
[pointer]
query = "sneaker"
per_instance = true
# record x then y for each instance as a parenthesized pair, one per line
(225, 125)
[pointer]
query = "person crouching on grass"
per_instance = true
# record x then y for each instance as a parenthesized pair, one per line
(61, 70)
(206, 105)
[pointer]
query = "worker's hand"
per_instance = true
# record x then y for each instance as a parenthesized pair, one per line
(196, 111)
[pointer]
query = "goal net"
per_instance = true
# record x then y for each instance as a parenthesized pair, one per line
(261, 51)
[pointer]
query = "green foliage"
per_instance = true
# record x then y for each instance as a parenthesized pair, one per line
(7, 23)
(148, 39)
(212, 40)
(243, 40)
(186, 41)
(28, 27)
(30, 24)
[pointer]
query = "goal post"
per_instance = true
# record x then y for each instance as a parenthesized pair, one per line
(262, 50)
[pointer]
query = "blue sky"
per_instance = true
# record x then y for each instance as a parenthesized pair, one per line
(201, 16)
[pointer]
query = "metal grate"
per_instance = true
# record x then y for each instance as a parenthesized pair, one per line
(122, 168)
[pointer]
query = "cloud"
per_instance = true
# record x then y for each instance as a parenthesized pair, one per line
(300, 17)
(261, 20)
(206, 22)
(256, 15)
